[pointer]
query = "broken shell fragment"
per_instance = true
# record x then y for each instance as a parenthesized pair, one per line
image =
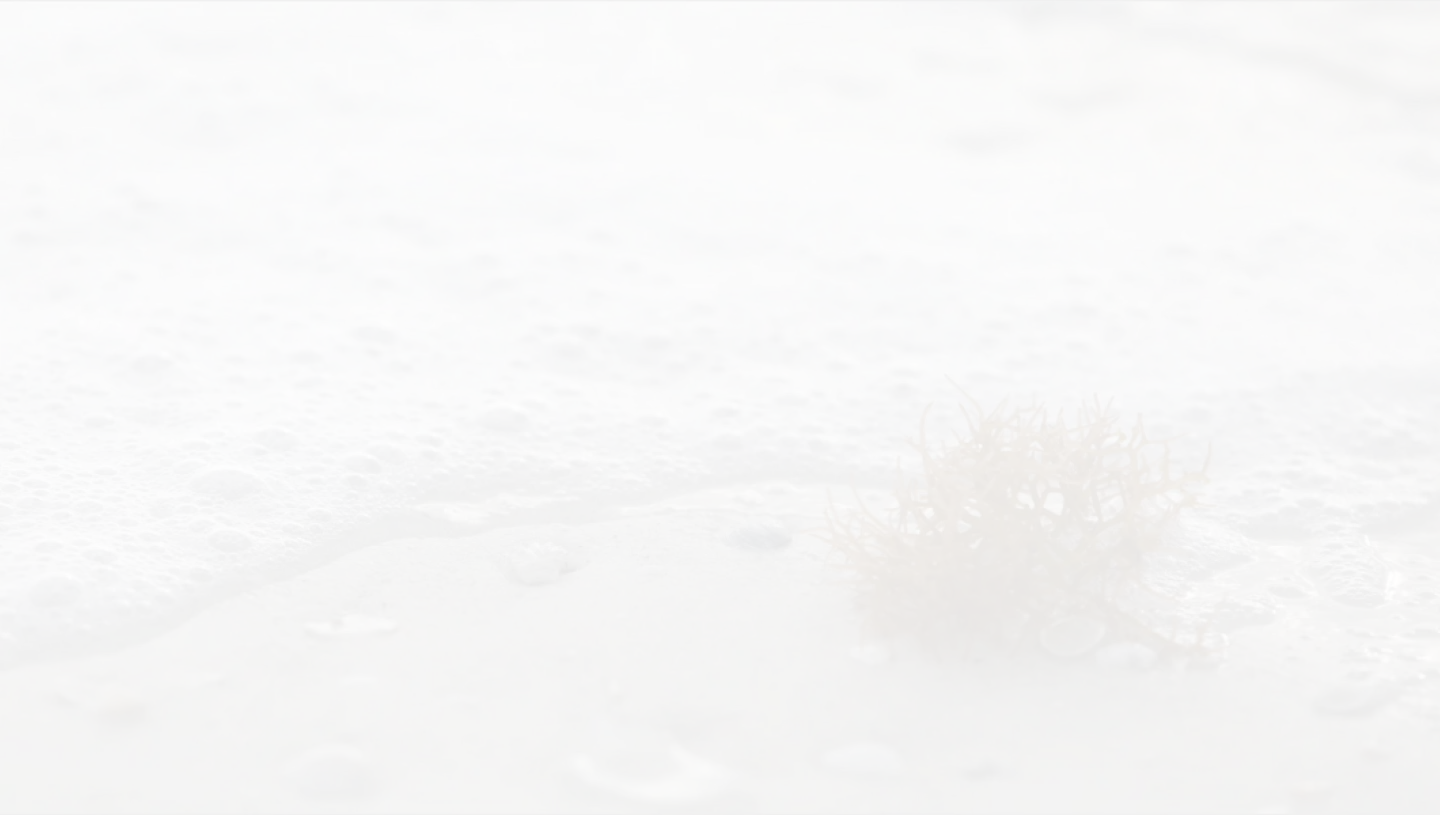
(352, 625)
(1072, 636)
(693, 782)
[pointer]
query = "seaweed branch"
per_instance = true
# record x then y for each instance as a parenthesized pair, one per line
(1023, 520)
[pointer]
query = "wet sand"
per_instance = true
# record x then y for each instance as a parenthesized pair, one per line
(664, 634)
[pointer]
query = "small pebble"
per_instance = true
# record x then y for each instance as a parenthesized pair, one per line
(332, 772)
(758, 536)
(1311, 789)
(982, 769)
(870, 653)
(1130, 656)
(352, 625)
(865, 758)
(1355, 698)
(1374, 752)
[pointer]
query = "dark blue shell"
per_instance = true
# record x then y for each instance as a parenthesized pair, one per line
(758, 536)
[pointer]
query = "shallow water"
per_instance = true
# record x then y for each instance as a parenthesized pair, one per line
(280, 284)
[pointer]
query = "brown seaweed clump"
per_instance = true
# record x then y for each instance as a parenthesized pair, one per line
(1025, 520)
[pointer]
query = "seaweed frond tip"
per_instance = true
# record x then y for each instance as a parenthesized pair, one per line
(1024, 519)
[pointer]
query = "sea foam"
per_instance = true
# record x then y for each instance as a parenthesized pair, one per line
(268, 282)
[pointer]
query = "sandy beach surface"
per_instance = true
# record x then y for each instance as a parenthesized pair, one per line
(667, 635)
(436, 407)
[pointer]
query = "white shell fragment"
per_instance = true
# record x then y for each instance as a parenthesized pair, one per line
(1126, 656)
(865, 758)
(337, 772)
(1072, 636)
(693, 782)
(871, 653)
(352, 625)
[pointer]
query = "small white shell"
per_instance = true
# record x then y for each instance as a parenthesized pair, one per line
(1072, 636)
(693, 782)
(352, 625)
